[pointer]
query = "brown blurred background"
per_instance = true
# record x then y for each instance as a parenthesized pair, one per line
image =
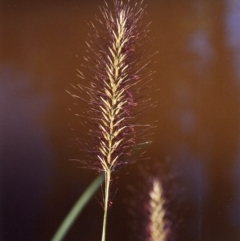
(42, 43)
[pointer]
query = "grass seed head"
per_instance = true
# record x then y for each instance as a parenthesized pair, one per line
(114, 70)
(157, 221)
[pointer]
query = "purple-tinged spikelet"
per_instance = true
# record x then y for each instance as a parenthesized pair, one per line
(115, 67)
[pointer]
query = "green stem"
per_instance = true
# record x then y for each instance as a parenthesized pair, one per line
(106, 197)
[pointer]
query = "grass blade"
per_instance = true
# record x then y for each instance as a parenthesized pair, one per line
(77, 208)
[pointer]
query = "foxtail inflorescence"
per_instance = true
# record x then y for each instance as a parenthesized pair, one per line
(115, 69)
(157, 214)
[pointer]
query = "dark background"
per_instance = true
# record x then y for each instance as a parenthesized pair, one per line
(42, 43)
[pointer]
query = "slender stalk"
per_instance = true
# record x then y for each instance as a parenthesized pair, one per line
(107, 185)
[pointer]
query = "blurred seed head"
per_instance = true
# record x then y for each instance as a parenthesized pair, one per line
(156, 206)
(157, 224)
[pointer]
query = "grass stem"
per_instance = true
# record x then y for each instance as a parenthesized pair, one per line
(106, 200)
